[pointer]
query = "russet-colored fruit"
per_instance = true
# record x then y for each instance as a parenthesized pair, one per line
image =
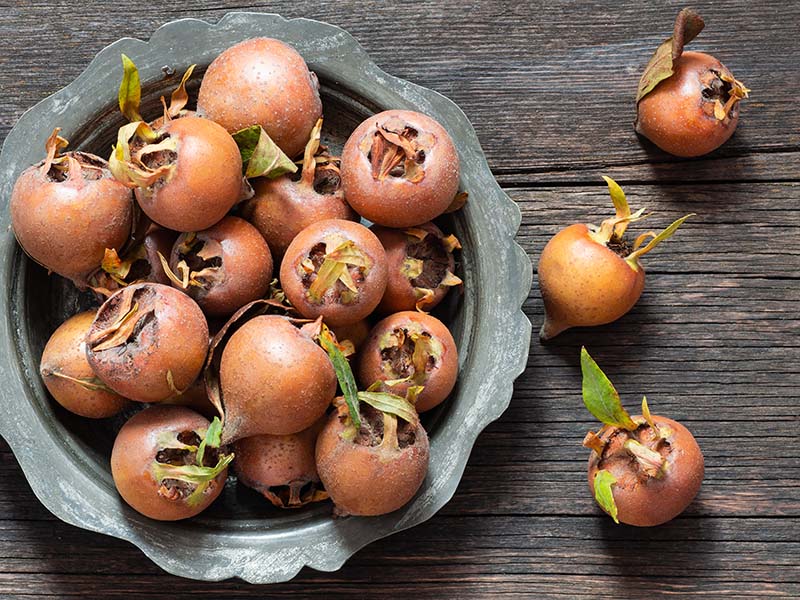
(400, 169)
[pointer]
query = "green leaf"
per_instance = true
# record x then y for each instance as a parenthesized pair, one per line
(212, 440)
(345, 375)
(391, 404)
(600, 397)
(633, 258)
(191, 473)
(603, 481)
(688, 25)
(130, 91)
(261, 156)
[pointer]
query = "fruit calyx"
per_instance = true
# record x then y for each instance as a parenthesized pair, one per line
(611, 231)
(398, 153)
(320, 170)
(142, 156)
(186, 465)
(643, 439)
(374, 424)
(133, 313)
(334, 265)
(640, 440)
(199, 264)
(408, 354)
(427, 264)
(721, 88)
(724, 91)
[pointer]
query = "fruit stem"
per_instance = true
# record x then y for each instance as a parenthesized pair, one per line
(651, 462)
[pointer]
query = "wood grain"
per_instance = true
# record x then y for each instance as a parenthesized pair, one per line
(713, 341)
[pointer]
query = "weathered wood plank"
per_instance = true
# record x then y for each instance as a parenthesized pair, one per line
(549, 86)
(713, 341)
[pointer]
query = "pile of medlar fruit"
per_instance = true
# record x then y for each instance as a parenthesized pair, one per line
(236, 284)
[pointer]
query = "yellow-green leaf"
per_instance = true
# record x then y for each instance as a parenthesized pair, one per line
(344, 374)
(603, 482)
(261, 156)
(130, 91)
(600, 396)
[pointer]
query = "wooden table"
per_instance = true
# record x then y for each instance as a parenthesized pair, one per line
(713, 341)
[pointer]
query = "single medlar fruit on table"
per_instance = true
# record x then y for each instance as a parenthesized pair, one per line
(187, 173)
(399, 169)
(281, 467)
(222, 268)
(591, 275)
(643, 470)
(68, 376)
(420, 267)
(688, 102)
(281, 207)
(167, 462)
(262, 81)
(334, 269)
(273, 379)
(376, 466)
(410, 349)
(148, 342)
(66, 210)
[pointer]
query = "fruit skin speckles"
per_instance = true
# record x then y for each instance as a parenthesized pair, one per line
(400, 169)
(266, 82)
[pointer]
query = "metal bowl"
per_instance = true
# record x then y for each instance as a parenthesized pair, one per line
(65, 458)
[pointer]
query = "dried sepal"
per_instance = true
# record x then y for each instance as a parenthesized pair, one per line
(651, 462)
(261, 157)
(424, 296)
(335, 267)
(119, 332)
(127, 168)
(416, 233)
(295, 494)
(451, 243)
(600, 396)
(633, 258)
(180, 97)
(396, 154)
(119, 269)
(309, 162)
(54, 145)
(594, 442)
(737, 92)
(412, 267)
(603, 493)
(130, 91)
(688, 25)
(458, 202)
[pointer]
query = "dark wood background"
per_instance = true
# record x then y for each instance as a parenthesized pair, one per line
(713, 342)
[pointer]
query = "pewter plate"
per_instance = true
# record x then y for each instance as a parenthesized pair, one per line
(65, 458)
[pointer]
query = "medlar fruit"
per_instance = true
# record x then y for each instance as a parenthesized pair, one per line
(399, 169)
(148, 342)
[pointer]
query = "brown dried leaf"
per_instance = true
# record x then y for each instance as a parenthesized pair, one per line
(688, 25)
